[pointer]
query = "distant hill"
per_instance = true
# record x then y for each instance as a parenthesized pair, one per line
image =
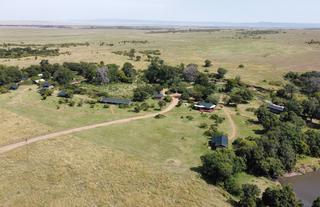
(160, 24)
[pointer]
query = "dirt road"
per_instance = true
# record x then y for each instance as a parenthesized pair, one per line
(233, 126)
(10, 147)
(234, 131)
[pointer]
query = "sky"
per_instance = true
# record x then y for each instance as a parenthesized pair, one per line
(238, 11)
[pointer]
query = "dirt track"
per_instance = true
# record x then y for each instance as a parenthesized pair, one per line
(10, 147)
(234, 131)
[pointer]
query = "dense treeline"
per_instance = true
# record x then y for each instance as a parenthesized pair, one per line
(313, 42)
(9, 75)
(20, 52)
(72, 44)
(283, 138)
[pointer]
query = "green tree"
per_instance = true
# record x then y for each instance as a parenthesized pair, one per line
(250, 195)
(191, 73)
(313, 141)
(280, 197)
(266, 118)
(213, 99)
(162, 104)
(132, 53)
(142, 93)
(202, 79)
(221, 72)
(220, 165)
(63, 75)
(207, 63)
(316, 203)
(311, 108)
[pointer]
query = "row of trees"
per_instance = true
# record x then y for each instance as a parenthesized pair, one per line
(20, 52)
(92, 72)
(9, 75)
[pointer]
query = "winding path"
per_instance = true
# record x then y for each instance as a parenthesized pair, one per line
(234, 131)
(10, 147)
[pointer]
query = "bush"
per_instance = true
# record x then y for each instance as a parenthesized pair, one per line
(316, 203)
(221, 72)
(144, 106)
(190, 118)
(72, 103)
(159, 116)
(179, 103)
(249, 196)
(203, 125)
(167, 99)
(213, 99)
(221, 165)
(207, 63)
(279, 197)
(232, 187)
(162, 104)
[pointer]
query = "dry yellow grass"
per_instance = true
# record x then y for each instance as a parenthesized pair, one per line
(267, 58)
(14, 127)
(73, 172)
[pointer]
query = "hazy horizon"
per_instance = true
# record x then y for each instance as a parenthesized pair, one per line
(229, 11)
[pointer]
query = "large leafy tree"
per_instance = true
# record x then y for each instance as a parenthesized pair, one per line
(102, 76)
(220, 165)
(280, 197)
(250, 196)
(316, 203)
(191, 73)
(63, 75)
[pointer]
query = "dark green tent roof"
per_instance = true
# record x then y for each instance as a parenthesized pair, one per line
(221, 141)
(115, 101)
(206, 105)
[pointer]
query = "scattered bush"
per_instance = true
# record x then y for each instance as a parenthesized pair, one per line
(159, 116)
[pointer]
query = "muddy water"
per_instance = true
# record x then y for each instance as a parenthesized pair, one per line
(306, 187)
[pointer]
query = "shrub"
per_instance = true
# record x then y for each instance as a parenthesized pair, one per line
(203, 125)
(80, 103)
(207, 63)
(232, 187)
(159, 116)
(167, 99)
(221, 165)
(190, 118)
(179, 104)
(72, 103)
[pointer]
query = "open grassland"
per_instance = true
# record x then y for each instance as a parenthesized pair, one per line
(266, 58)
(142, 163)
(25, 115)
(171, 140)
(75, 172)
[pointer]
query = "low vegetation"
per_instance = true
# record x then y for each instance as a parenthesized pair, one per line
(20, 52)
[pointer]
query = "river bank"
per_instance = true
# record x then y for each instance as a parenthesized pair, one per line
(306, 187)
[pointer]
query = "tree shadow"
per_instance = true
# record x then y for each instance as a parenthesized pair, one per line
(205, 178)
(252, 121)
(259, 131)
(209, 181)
(313, 125)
